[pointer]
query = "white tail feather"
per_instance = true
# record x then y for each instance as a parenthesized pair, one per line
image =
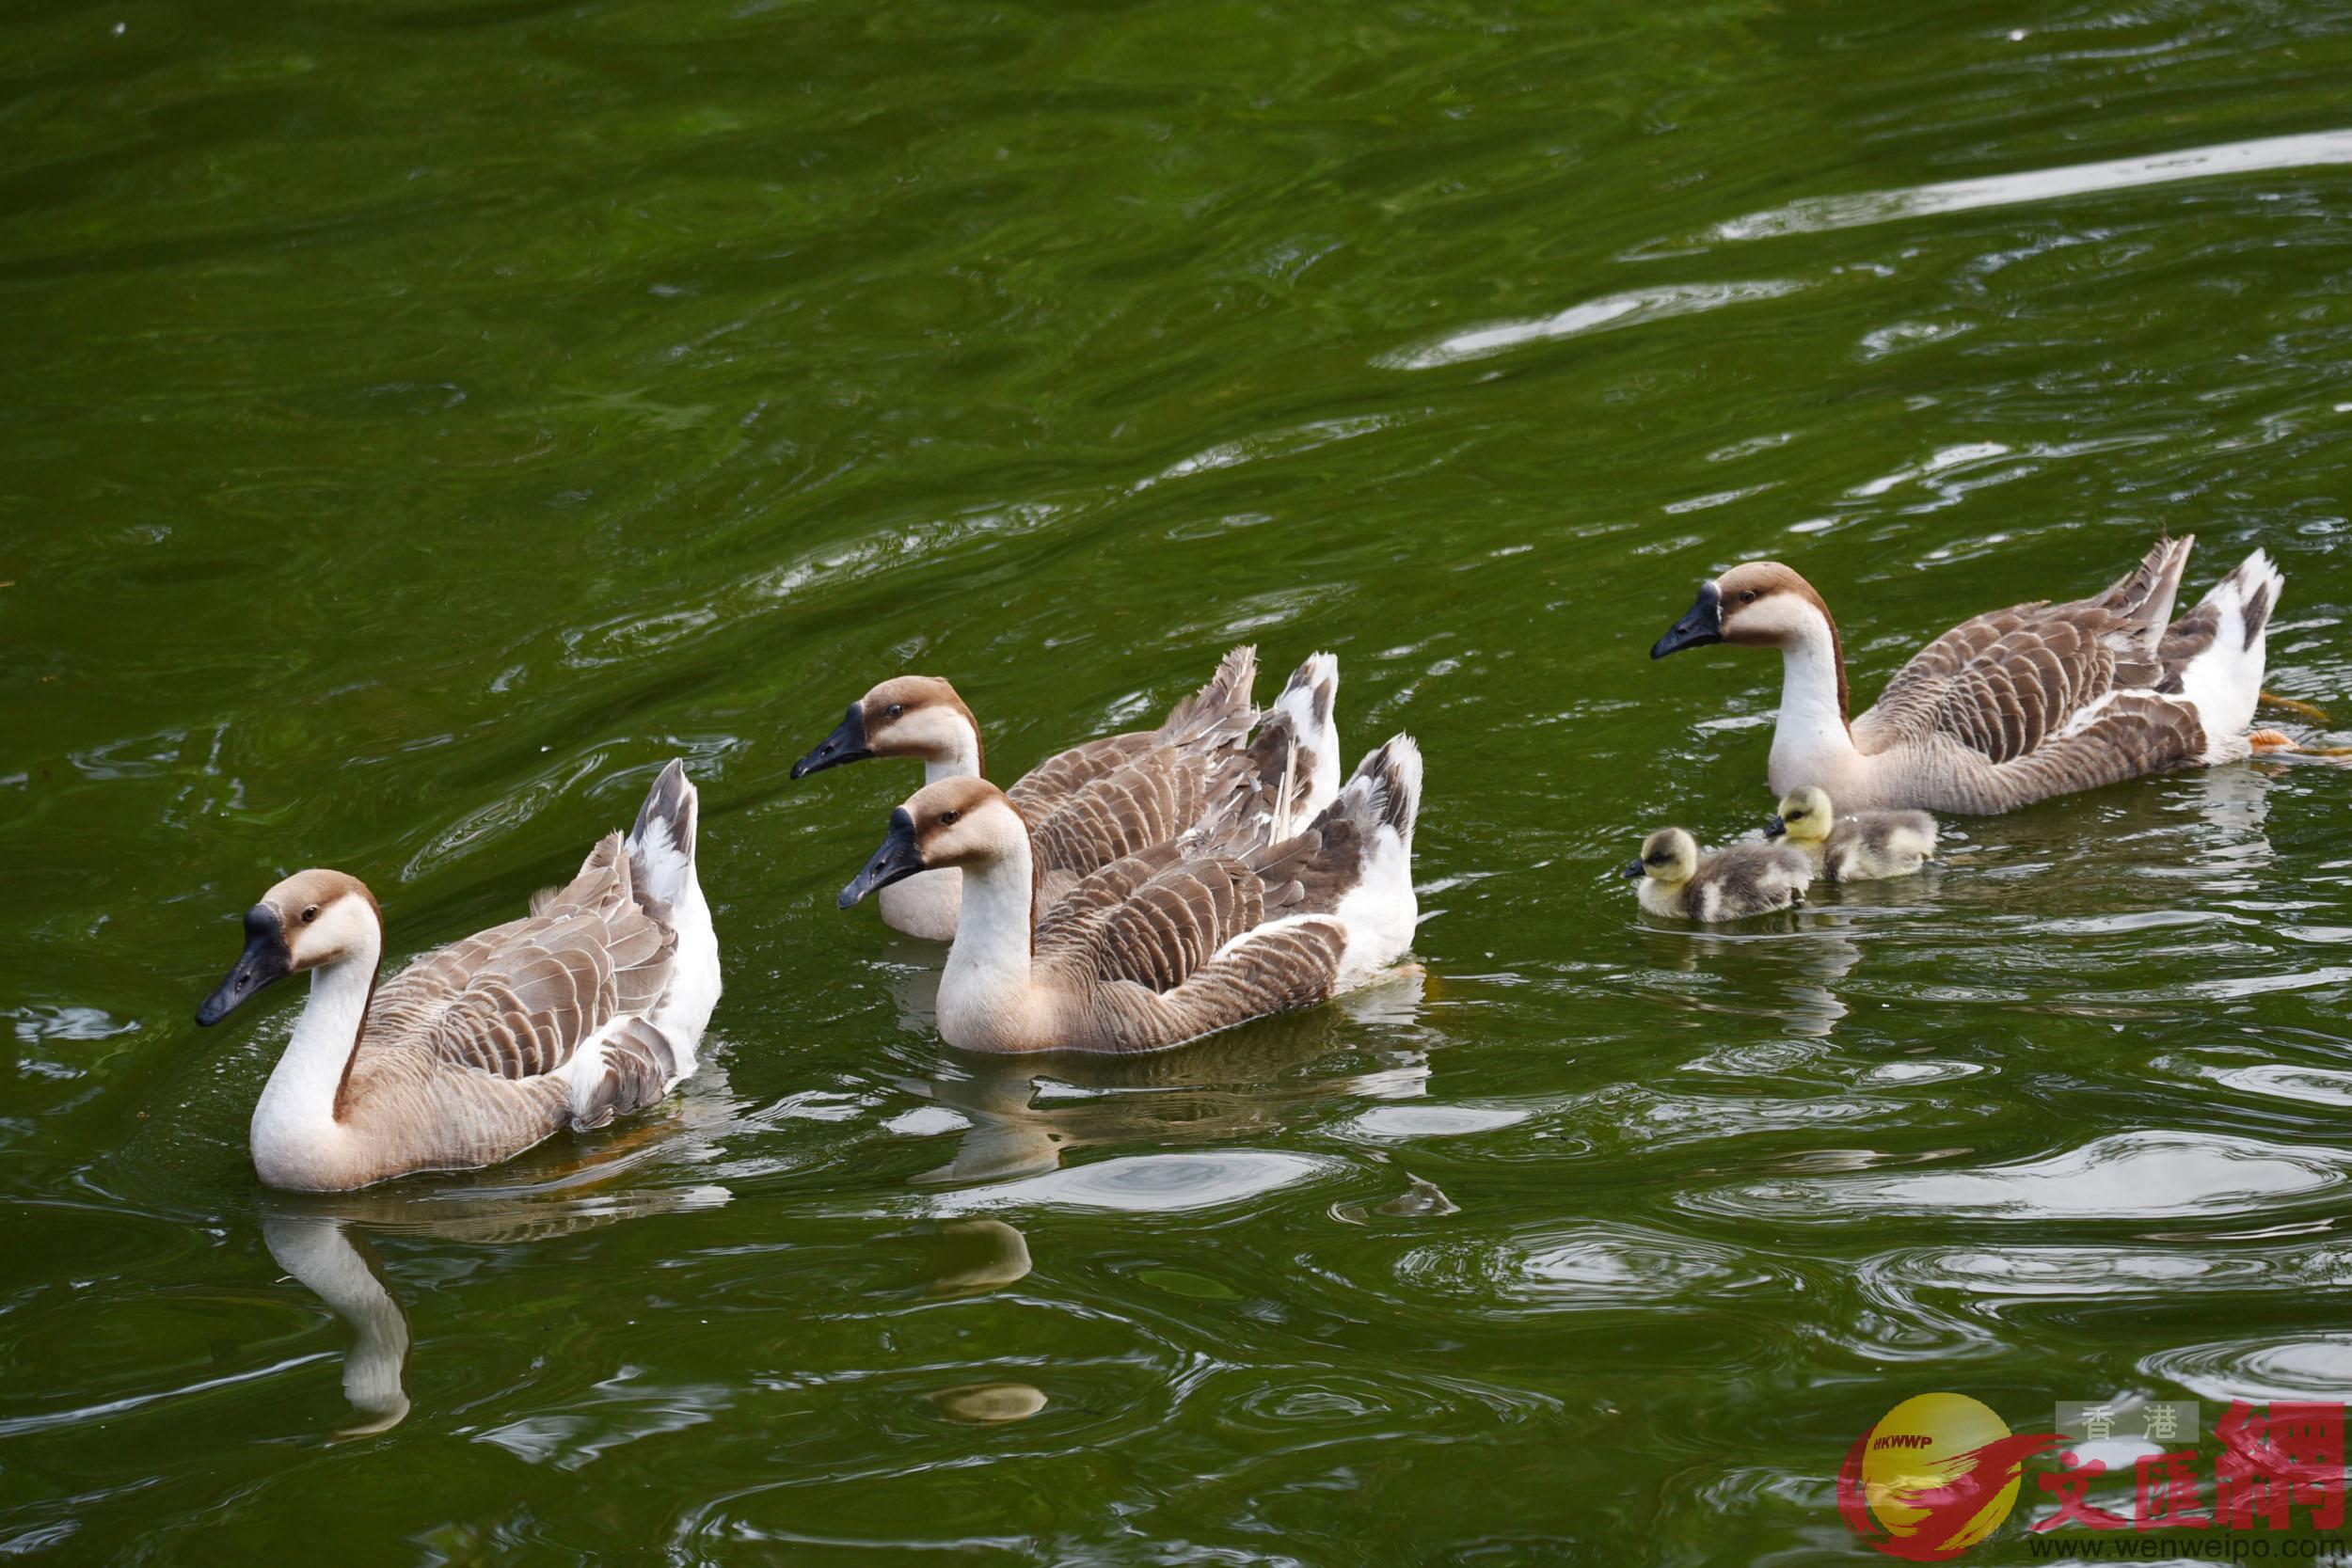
(1381, 911)
(2226, 680)
(663, 845)
(663, 841)
(1311, 700)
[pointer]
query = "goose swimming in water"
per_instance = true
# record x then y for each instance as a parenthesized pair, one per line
(2015, 705)
(1730, 883)
(1108, 798)
(1162, 946)
(1853, 847)
(588, 1008)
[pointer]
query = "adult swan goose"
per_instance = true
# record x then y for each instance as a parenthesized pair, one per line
(1159, 947)
(588, 1008)
(2015, 705)
(1103, 799)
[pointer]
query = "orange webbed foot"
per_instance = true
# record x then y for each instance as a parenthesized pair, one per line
(2277, 743)
(2312, 711)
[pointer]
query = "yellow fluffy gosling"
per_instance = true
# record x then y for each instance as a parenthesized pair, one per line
(1726, 884)
(1857, 846)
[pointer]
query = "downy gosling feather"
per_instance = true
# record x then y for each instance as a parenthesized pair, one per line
(1731, 883)
(1853, 847)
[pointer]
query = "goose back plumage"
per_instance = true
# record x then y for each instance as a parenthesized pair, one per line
(2004, 682)
(1213, 719)
(1198, 943)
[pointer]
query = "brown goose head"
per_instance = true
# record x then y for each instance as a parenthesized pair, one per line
(955, 822)
(913, 716)
(1757, 604)
(311, 919)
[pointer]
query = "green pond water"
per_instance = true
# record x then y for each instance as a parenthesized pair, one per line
(422, 419)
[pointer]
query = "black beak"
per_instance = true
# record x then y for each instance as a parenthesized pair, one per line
(898, 858)
(1702, 625)
(846, 744)
(1775, 828)
(264, 960)
(1632, 872)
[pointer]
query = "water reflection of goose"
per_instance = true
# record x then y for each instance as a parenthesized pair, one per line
(2235, 804)
(1023, 1114)
(1808, 955)
(349, 1277)
(324, 1241)
(980, 1255)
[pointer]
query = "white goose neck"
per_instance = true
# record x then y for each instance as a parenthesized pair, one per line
(962, 760)
(293, 1122)
(984, 991)
(1810, 741)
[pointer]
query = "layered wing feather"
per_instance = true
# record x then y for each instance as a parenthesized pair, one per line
(2007, 682)
(1168, 928)
(1293, 963)
(518, 999)
(1148, 802)
(1259, 795)
(1213, 718)
(2128, 735)
(1099, 893)
(1054, 780)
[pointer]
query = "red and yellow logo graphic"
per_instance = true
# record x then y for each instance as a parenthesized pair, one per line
(1936, 1475)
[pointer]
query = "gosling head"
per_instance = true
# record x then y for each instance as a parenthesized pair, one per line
(913, 716)
(312, 919)
(1669, 856)
(955, 822)
(1804, 817)
(1757, 604)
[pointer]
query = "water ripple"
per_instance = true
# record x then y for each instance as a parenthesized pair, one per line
(2303, 1366)
(1612, 310)
(1386, 1122)
(2122, 1176)
(1587, 1266)
(2048, 184)
(1145, 1184)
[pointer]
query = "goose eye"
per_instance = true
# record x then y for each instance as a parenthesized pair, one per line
(1747, 596)
(894, 710)
(310, 914)
(1660, 858)
(947, 817)
(1796, 816)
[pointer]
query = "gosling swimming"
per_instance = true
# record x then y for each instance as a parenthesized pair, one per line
(1856, 847)
(1730, 883)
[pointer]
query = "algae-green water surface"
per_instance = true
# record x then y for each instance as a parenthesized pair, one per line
(420, 419)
